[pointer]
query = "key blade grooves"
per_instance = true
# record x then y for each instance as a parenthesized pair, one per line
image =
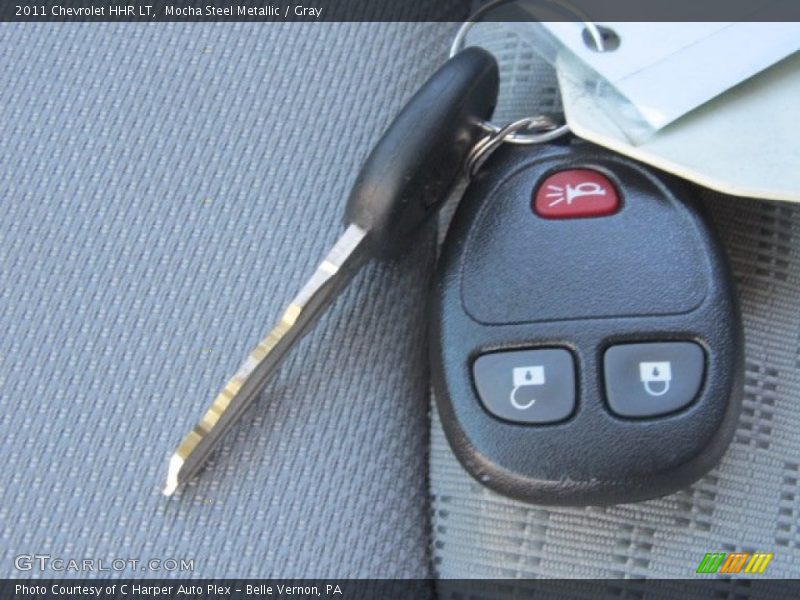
(330, 277)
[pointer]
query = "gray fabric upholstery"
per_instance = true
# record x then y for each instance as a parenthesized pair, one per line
(164, 191)
(751, 502)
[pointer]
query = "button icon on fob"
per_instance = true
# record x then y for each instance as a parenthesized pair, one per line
(525, 376)
(655, 377)
(568, 193)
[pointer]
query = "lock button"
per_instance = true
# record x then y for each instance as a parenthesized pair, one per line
(527, 386)
(652, 379)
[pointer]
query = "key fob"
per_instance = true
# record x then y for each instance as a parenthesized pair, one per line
(586, 339)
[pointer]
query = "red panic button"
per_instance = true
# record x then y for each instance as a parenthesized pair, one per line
(574, 194)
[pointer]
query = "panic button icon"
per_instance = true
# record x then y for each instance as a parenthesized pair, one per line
(574, 194)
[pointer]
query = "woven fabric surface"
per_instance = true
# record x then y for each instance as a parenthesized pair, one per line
(164, 191)
(750, 502)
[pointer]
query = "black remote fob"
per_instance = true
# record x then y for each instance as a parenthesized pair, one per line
(586, 340)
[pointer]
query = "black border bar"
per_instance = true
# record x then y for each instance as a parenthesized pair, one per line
(412, 589)
(266, 11)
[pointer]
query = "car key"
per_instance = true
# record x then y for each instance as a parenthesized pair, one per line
(586, 343)
(405, 179)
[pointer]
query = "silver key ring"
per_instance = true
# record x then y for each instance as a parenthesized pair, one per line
(545, 130)
(515, 136)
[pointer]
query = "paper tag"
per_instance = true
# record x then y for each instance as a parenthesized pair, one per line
(665, 70)
(745, 142)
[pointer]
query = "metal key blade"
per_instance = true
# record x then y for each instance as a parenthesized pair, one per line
(332, 275)
(404, 181)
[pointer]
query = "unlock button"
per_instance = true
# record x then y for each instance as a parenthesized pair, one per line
(648, 380)
(527, 386)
